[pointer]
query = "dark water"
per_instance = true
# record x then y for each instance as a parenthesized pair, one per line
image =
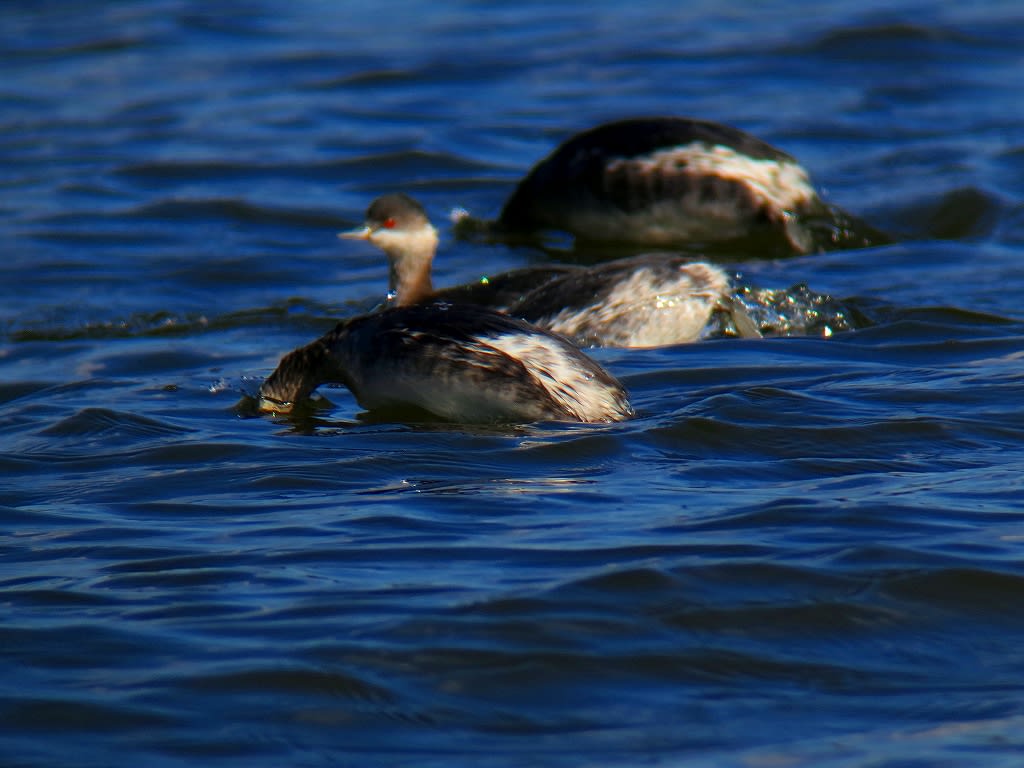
(803, 552)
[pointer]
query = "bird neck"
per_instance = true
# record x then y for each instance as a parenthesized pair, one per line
(410, 270)
(299, 373)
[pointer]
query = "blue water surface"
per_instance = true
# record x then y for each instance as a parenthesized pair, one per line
(802, 552)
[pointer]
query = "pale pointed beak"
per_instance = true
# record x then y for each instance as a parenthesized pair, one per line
(359, 233)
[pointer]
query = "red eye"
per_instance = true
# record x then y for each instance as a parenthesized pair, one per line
(388, 224)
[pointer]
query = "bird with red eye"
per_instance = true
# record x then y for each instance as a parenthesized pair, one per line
(399, 226)
(458, 362)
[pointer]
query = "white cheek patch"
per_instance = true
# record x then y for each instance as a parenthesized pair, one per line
(418, 240)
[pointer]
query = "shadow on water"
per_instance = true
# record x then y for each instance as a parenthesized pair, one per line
(960, 214)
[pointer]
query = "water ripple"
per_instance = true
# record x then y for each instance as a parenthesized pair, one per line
(801, 552)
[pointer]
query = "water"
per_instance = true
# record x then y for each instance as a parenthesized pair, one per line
(802, 552)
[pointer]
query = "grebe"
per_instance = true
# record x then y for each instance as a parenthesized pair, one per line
(463, 363)
(671, 181)
(643, 301)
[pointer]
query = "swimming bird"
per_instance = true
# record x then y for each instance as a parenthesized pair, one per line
(671, 181)
(462, 363)
(642, 301)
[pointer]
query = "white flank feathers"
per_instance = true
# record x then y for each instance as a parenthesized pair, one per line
(647, 309)
(779, 184)
(564, 378)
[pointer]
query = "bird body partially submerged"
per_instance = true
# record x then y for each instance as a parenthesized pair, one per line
(460, 363)
(463, 363)
(673, 181)
(643, 301)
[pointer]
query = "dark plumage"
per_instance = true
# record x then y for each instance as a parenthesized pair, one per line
(642, 301)
(460, 363)
(663, 181)
(463, 363)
